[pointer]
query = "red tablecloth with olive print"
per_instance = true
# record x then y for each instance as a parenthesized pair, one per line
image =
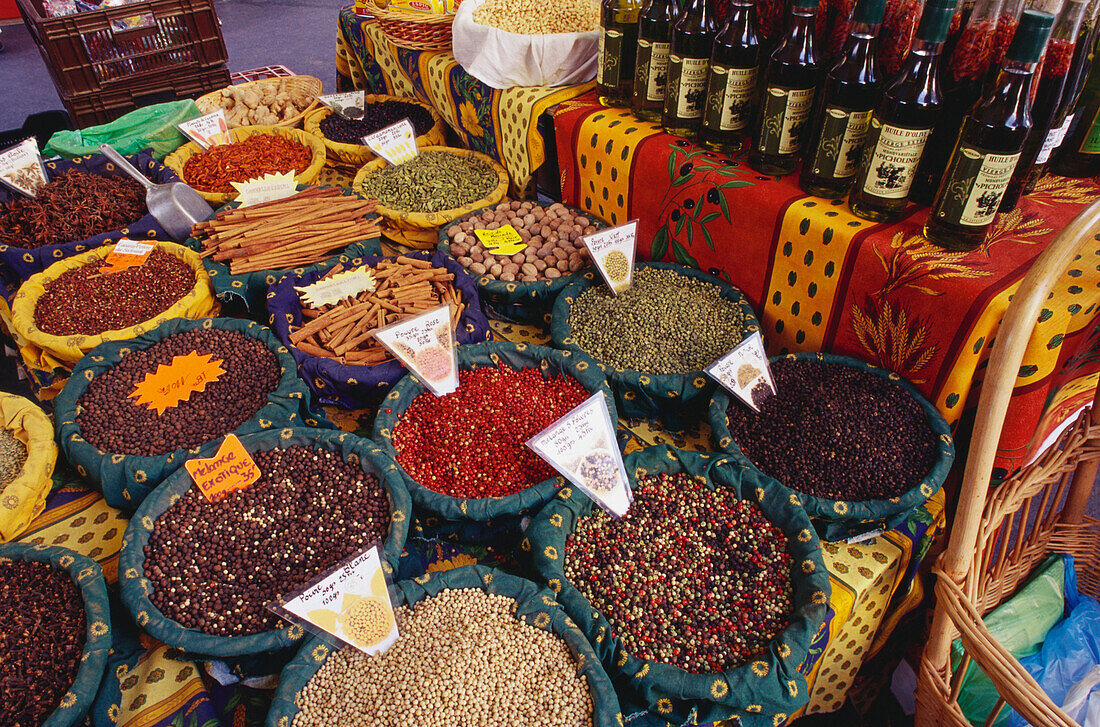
(824, 280)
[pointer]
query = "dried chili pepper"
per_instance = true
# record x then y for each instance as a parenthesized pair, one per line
(214, 169)
(973, 51)
(898, 30)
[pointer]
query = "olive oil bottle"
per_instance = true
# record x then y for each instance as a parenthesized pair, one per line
(790, 78)
(1079, 155)
(989, 144)
(618, 43)
(651, 66)
(902, 123)
(688, 63)
(852, 89)
(734, 72)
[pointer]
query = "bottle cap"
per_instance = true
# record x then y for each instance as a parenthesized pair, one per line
(1031, 37)
(936, 20)
(804, 3)
(869, 12)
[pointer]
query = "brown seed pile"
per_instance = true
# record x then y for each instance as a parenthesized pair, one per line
(463, 658)
(13, 455)
(86, 301)
(215, 566)
(42, 634)
(113, 422)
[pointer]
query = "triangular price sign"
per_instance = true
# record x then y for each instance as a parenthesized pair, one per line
(268, 188)
(336, 288)
(207, 131)
(126, 254)
(174, 382)
(582, 446)
(745, 372)
(396, 143)
(22, 169)
(350, 602)
(424, 343)
(349, 104)
(231, 468)
(613, 252)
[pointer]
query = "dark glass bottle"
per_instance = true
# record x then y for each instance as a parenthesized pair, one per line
(790, 78)
(989, 144)
(842, 117)
(902, 123)
(1080, 152)
(734, 72)
(651, 66)
(688, 63)
(617, 46)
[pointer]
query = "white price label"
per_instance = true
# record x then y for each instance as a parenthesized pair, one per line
(424, 343)
(613, 252)
(208, 130)
(21, 168)
(268, 188)
(126, 246)
(345, 103)
(338, 287)
(745, 372)
(396, 143)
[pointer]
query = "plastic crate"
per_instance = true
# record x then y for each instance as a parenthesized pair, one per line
(258, 74)
(107, 49)
(89, 109)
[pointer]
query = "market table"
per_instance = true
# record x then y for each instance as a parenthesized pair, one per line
(822, 279)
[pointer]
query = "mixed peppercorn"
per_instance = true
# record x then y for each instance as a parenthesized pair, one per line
(376, 116)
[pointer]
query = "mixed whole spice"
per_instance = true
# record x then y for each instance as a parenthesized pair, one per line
(13, 455)
(215, 566)
(213, 170)
(690, 576)
(376, 116)
(432, 181)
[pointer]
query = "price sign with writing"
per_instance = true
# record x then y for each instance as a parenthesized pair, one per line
(231, 468)
(396, 143)
(336, 288)
(208, 130)
(425, 345)
(505, 240)
(581, 445)
(126, 254)
(613, 252)
(268, 188)
(345, 103)
(21, 168)
(174, 382)
(745, 372)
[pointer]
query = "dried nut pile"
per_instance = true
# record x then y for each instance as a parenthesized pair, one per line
(336, 127)
(72, 206)
(86, 301)
(690, 576)
(42, 634)
(552, 235)
(666, 323)
(213, 170)
(111, 421)
(836, 432)
(472, 443)
(532, 17)
(463, 658)
(13, 455)
(216, 566)
(265, 105)
(433, 181)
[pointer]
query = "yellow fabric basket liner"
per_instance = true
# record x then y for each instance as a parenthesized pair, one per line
(24, 498)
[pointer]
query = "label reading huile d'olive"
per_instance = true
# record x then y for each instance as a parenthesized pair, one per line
(688, 76)
(786, 111)
(895, 153)
(609, 68)
(976, 181)
(842, 135)
(651, 71)
(729, 97)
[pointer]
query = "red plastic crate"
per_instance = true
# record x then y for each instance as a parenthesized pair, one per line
(90, 109)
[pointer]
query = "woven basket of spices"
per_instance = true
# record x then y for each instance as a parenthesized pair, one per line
(514, 624)
(212, 170)
(321, 497)
(655, 339)
(870, 448)
(437, 186)
(27, 458)
(289, 97)
(464, 455)
(56, 609)
(343, 137)
(703, 600)
(95, 415)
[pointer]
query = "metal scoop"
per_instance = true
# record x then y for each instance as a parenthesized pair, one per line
(175, 205)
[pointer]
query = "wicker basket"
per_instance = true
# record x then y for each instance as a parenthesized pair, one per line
(413, 30)
(179, 157)
(211, 102)
(356, 155)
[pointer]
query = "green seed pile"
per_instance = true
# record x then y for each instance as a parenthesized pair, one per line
(431, 182)
(666, 323)
(463, 659)
(13, 455)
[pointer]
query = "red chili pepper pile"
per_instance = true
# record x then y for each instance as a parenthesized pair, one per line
(214, 169)
(471, 444)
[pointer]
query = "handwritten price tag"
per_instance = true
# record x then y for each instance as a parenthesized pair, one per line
(745, 372)
(207, 131)
(613, 252)
(231, 468)
(176, 381)
(396, 143)
(126, 254)
(21, 168)
(349, 104)
(424, 344)
(504, 240)
(267, 188)
(336, 288)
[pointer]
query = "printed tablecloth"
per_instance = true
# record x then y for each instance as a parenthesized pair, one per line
(824, 280)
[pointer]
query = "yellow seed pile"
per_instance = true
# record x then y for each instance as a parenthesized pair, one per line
(463, 658)
(537, 17)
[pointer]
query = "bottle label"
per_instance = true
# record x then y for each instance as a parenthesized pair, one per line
(894, 155)
(786, 111)
(1054, 140)
(1091, 143)
(729, 97)
(609, 69)
(687, 87)
(975, 182)
(842, 135)
(651, 71)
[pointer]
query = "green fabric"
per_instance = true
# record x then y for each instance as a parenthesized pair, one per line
(518, 301)
(125, 479)
(535, 606)
(756, 692)
(841, 519)
(680, 400)
(471, 356)
(149, 127)
(86, 576)
(257, 652)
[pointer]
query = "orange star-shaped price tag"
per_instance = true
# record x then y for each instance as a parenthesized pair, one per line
(231, 468)
(177, 381)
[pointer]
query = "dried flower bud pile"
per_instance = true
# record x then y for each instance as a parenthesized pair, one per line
(532, 17)
(463, 658)
(113, 422)
(433, 181)
(215, 566)
(471, 444)
(552, 235)
(376, 116)
(13, 455)
(666, 323)
(690, 576)
(837, 432)
(213, 170)
(42, 634)
(86, 301)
